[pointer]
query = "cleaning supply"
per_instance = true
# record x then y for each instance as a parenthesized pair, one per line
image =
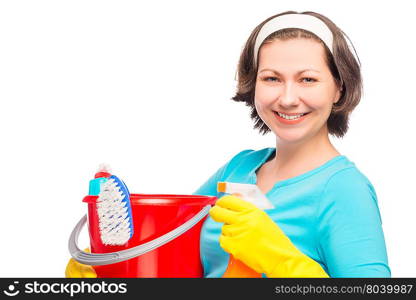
(249, 192)
(252, 194)
(165, 240)
(165, 243)
(114, 212)
(251, 236)
(113, 207)
(100, 177)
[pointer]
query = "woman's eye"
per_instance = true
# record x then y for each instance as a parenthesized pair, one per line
(276, 79)
(271, 79)
(308, 79)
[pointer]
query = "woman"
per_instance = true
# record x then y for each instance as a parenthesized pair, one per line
(301, 80)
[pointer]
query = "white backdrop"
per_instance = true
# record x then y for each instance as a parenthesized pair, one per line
(147, 88)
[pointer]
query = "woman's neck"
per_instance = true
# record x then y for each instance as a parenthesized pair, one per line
(295, 159)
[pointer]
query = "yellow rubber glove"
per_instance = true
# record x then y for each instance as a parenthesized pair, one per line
(75, 269)
(252, 237)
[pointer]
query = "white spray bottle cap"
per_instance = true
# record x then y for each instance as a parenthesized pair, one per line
(249, 192)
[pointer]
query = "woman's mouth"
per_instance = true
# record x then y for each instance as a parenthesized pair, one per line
(290, 118)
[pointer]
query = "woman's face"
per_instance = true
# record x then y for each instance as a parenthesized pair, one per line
(293, 78)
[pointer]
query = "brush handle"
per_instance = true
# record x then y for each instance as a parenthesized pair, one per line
(99, 259)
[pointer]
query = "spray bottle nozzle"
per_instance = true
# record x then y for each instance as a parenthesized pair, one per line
(249, 192)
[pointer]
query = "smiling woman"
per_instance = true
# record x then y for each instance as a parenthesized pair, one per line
(339, 61)
(301, 80)
(292, 93)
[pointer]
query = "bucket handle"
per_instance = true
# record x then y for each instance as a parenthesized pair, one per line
(99, 259)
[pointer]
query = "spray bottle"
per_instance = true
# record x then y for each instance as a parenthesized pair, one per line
(250, 193)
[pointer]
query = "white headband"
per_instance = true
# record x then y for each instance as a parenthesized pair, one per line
(302, 21)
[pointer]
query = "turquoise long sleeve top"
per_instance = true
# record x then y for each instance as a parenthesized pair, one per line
(329, 213)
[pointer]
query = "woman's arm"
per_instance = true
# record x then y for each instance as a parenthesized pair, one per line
(350, 235)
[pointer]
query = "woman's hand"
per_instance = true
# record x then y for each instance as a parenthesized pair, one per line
(251, 236)
(75, 269)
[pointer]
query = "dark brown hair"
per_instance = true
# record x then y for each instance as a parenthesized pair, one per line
(344, 68)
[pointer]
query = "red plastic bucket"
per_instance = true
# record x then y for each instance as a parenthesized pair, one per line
(153, 216)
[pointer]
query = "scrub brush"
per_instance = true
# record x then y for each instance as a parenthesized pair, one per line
(114, 209)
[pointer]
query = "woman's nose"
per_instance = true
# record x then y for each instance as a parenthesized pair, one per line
(289, 95)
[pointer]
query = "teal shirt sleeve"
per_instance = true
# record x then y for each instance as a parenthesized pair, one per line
(350, 235)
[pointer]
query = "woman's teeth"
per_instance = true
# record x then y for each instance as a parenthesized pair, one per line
(290, 117)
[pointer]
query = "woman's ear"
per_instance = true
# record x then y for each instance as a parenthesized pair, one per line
(338, 94)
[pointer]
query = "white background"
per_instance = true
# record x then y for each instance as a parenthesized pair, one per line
(146, 87)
